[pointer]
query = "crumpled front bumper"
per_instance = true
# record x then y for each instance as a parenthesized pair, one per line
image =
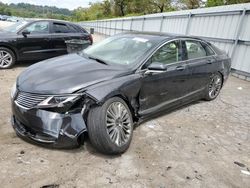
(47, 128)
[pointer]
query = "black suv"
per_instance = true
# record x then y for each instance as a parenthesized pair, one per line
(37, 40)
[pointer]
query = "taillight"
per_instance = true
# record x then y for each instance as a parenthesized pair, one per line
(91, 39)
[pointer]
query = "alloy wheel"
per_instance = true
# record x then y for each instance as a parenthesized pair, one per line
(5, 59)
(215, 86)
(118, 123)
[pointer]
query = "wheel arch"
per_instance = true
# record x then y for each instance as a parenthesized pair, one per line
(127, 88)
(129, 103)
(10, 48)
(222, 76)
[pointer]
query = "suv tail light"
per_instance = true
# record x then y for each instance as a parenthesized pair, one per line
(91, 39)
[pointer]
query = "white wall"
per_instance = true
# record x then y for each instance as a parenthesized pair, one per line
(228, 27)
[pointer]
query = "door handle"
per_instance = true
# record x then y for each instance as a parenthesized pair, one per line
(180, 68)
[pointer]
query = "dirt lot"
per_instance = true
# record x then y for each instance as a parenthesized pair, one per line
(5, 24)
(196, 146)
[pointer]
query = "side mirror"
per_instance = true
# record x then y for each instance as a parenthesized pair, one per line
(25, 33)
(156, 67)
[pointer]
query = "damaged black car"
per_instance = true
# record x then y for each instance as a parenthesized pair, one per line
(111, 86)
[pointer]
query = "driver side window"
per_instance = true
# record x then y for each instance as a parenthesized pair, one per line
(38, 28)
(167, 54)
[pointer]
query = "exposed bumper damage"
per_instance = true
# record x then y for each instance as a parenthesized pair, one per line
(48, 128)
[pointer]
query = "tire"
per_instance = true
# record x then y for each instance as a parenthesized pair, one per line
(7, 58)
(214, 86)
(104, 128)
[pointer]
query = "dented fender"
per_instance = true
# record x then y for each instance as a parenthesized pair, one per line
(127, 87)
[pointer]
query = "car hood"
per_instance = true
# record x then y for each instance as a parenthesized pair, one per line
(66, 74)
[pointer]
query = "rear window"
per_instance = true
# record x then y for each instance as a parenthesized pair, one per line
(208, 49)
(60, 28)
(73, 29)
(217, 50)
(195, 50)
(79, 29)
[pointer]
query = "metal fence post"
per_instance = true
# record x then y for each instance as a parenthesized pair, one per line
(143, 20)
(131, 24)
(106, 28)
(110, 27)
(188, 23)
(122, 25)
(98, 26)
(115, 26)
(102, 27)
(238, 32)
(162, 19)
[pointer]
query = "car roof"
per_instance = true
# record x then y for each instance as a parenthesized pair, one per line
(161, 35)
(53, 20)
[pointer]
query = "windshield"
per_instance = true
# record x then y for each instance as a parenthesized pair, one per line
(15, 27)
(122, 50)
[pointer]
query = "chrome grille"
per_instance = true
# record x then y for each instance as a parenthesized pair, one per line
(29, 100)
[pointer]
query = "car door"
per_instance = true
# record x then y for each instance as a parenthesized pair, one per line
(200, 61)
(164, 89)
(62, 32)
(35, 43)
(58, 38)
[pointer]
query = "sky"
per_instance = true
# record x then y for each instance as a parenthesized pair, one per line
(69, 4)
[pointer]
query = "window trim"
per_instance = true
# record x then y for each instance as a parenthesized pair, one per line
(27, 25)
(59, 23)
(186, 50)
(79, 29)
(179, 52)
(70, 26)
(139, 68)
(202, 44)
(200, 40)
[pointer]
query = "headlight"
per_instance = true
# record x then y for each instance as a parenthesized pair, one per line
(13, 91)
(59, 101)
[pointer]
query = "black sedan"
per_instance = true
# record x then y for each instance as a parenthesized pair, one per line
(109, 87)
(37, 40)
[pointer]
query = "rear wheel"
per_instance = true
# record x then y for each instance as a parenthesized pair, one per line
(110, 126)
(7, 58)
(214, 87)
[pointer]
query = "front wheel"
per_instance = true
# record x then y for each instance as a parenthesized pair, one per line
(213, 87)
(110, 126)
(7, 58)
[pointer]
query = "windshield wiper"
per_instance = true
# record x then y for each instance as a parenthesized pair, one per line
(98, 60)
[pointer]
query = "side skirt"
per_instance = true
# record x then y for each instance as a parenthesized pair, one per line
(173, 104)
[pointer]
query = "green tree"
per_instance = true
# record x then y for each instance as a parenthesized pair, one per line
(229, 2)
(106, 8)
(120, 7)
(212, 3)
(161, 5)
(191, 4)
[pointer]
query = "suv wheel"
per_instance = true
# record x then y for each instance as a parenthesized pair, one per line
(7, 58)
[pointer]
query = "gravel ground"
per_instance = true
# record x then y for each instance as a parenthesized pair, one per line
(5, 24)
(205, 144)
